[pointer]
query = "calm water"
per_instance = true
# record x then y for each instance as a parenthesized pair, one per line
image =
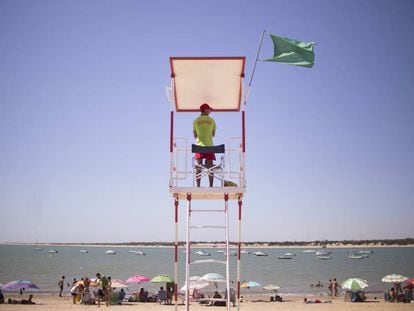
(295, 275)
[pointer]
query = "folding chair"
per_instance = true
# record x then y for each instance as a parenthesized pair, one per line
(216, 170)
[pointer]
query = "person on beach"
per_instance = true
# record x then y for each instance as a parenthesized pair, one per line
(1, 297)
(330, 287)
(108, 291)
(392, 295)
(218, 296)
(162, 295)
(306, 300)
(120, 297)
(204, 129)
(61, 284)
(28, 301)
(398, 290)
(335, 287)
(76, 292)
(100, 295)
(141, 295)
(169, 294)
(86, 297)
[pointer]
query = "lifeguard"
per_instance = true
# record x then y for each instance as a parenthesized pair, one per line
(204, 129)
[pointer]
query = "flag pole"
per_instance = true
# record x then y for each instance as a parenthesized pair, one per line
(254, 67)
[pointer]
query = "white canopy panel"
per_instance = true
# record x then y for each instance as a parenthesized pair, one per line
(217, 81)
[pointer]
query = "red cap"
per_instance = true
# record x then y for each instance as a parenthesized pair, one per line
(205, 106)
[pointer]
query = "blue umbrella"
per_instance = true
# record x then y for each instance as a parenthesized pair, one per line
(250, 284)
(21, 284)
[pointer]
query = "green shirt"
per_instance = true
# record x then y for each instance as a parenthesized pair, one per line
(204, 126)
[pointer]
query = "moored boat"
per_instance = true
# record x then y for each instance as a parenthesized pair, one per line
(322, 253)
(355, 256)
(202, 253)
(324, 257)
(259, 253)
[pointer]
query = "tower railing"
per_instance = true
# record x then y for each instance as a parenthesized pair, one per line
(230, 167)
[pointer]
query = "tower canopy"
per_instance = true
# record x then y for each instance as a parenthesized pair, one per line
(217, 81)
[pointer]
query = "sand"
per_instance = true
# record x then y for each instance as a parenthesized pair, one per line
(49, 302)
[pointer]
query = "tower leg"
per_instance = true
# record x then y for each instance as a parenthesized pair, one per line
(176, 254)
(188, 258)
(226, 211)
(239, 253)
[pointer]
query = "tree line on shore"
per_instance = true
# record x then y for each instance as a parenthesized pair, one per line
(316, 243)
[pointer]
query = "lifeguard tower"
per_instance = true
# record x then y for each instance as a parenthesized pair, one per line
(217, 81)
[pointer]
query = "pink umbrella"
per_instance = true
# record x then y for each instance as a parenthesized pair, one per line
(138, 279)
(410, 283)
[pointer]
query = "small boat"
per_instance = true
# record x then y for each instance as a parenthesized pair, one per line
(284, 257)
(322, 253)
(364, 252)
(221, 251)
(53, 251)
(309, 251)
(202, 253)
(110, 252)
(259, 253)
(83, 251)
(325, 257)
(355, 256)
(137, 252)
(290, 254)
(244, 252)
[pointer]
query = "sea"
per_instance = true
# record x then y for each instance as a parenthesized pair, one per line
(294, 276)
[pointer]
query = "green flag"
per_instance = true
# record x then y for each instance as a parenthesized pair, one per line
(292, 52)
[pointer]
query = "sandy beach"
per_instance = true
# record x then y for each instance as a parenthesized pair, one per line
(50, 302)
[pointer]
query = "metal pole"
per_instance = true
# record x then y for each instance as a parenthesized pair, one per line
(239, 254)
(226, 211)
(187, 260)
(176, 254)
(254, 67)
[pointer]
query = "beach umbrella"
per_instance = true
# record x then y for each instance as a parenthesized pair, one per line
(274, 287)
(118, 284)
(195, 282)
(249, 284)
(394, 278)
(213, 277)
(354, 284)
(137, 279)
(409, 283)
(21, 284)
(162, 278)
(195, 285)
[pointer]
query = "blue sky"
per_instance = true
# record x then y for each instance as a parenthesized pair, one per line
(84, 120)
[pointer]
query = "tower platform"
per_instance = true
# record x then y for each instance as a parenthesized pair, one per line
(207, 193)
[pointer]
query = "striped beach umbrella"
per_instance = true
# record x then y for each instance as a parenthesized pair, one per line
(20, 284)
(354, 284)
(394, 278)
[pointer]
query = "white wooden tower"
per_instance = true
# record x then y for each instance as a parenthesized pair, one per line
(217, 81)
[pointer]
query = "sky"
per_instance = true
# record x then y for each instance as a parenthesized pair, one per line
(84, 118)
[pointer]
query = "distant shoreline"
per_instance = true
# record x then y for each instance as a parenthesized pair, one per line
(264, 245)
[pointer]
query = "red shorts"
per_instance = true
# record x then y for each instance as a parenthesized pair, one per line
(207, 156)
